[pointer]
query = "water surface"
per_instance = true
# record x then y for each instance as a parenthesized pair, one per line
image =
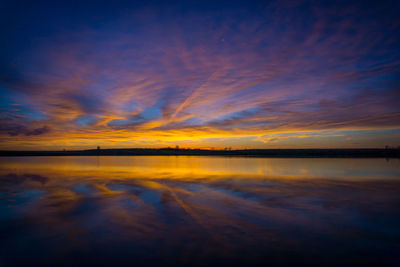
(177, 210)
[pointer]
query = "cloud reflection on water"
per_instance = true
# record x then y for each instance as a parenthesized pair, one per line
(187, 211)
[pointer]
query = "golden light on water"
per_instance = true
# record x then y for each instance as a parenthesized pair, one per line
(228, 208)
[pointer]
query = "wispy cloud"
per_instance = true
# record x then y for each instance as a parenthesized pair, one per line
(250, 71)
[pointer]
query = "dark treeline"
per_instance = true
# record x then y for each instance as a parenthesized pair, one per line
(291, 153)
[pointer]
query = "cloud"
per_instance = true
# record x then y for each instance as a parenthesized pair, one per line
(234, 73)
(22, 130)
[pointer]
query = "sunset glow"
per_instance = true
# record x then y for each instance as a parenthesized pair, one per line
(287, 74)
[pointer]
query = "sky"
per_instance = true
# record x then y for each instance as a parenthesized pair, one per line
(199, 74)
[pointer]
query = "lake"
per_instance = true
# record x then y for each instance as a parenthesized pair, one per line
(202, 211)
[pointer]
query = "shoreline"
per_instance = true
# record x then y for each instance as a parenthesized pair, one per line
(264, 153)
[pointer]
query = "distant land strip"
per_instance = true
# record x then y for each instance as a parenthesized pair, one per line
(270, 153)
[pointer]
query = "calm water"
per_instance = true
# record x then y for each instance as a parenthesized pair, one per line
(199, 211)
